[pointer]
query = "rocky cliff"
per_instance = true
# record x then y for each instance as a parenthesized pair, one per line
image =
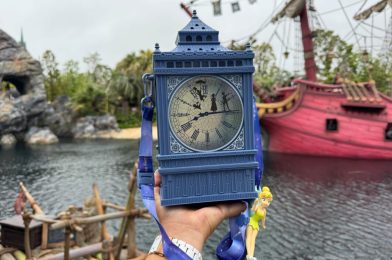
(24, 111)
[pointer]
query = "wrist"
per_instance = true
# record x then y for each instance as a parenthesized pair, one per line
(190, 236)
(156, 249)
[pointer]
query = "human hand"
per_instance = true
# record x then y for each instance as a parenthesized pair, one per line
(193, 224)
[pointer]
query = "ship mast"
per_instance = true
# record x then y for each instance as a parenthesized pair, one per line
(299, 8)
(310, 64)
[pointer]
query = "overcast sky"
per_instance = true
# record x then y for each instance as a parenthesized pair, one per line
(73, 29)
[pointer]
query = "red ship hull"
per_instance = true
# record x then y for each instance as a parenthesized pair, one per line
(361, 126)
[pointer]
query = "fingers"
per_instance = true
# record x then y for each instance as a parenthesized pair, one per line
(157, 189)
(232, 209)
(214, 215)
(157, 179)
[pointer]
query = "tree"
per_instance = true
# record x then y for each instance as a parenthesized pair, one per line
(52, 75)
(333, 55)
(267, 73)
(126, 81)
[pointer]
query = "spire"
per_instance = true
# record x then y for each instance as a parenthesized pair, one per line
(198, 36)
(22, 42)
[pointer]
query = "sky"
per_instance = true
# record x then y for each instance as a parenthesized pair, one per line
(74, 29)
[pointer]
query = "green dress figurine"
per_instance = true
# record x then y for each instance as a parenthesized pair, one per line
(259, 208)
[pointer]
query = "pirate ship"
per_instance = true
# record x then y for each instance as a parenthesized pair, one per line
(345, 119)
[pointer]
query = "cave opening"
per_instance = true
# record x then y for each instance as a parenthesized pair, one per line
(16, 85)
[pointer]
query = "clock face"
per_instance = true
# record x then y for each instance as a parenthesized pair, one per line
(205, 113)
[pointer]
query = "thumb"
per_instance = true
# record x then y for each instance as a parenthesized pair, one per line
(232, 209)
(216, 214)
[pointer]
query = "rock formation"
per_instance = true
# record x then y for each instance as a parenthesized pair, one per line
(24, 111)
(94, 126)
(37, 135)
(19, 105)
(8, 140)
(19, 68)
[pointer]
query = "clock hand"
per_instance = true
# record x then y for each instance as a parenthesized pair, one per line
(217, 112)
(197, 105)
(195, 118)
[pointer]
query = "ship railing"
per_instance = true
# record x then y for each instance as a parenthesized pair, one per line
(278, 107)
(320, 87)
(354, 91)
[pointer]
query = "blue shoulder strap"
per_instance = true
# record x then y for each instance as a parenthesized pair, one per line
(232, 246)
(146, 177)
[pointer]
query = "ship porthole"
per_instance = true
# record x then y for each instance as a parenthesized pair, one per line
(388, 132)
(331, 124)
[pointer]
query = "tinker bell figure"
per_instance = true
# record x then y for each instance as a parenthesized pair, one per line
(259, 208)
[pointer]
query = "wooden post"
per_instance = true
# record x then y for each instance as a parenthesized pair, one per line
(99, 205)
(67, 237)
(128, 221)
(105, 249)
(131, 220)
(26, 222)
(37, 209)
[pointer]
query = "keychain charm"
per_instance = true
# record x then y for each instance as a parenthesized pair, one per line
(259, 209)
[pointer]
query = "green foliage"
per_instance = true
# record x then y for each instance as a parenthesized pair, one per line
(335, 56)
(52, 73)
(127, 83)
(100, 90)
(127, 120)
(267, 73)
(86, 90)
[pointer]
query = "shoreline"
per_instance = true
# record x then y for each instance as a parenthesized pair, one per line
(126, 133)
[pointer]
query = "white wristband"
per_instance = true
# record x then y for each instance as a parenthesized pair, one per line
(192, 252)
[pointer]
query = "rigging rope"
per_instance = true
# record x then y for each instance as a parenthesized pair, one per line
(362, 6)
(349, 22)
(339, 9)
(261, 28)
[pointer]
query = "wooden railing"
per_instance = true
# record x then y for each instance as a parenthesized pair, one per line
(109, 247)
(278, 107)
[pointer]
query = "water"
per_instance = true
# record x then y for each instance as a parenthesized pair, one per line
(322, 208)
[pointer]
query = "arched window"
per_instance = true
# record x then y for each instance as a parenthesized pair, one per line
(198, 38)
(209, 38)
(188, 38)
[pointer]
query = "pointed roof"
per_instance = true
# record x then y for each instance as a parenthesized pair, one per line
(197, 25)
(198, 36)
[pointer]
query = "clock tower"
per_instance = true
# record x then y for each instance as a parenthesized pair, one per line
(204, 101)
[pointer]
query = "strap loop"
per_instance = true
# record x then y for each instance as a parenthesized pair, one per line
(148, 89)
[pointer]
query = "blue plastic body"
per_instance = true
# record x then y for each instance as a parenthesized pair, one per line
(197, 177)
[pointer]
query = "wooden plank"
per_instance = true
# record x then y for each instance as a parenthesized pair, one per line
(38, 210)
(77, 252)
(99, 206)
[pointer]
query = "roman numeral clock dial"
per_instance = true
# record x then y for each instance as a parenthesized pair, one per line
(205, 113)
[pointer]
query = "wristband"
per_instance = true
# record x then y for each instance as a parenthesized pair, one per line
(188, 249)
